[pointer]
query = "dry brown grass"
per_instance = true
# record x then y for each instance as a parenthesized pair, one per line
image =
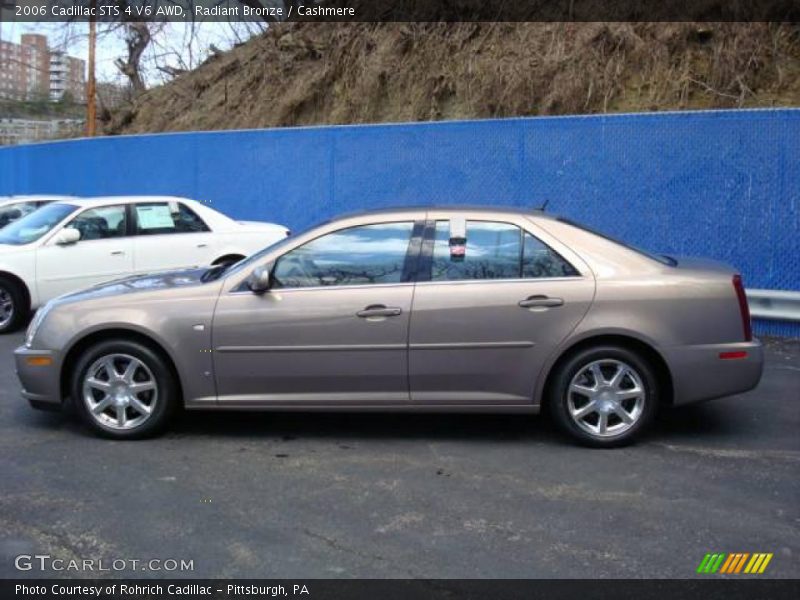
(314, 73)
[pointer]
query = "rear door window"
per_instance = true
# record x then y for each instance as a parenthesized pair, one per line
(160, 218)
(494, 250)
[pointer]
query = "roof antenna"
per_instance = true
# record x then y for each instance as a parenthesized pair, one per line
(544, 205)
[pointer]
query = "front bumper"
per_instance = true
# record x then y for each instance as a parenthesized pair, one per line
(41, 384)
(702, 372)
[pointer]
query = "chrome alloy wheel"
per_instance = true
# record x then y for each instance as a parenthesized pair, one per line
(119, 391)
(6, 307)
(606, 398)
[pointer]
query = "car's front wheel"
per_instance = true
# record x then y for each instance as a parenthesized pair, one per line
(13, 305)
(124, 389)
(604, 396)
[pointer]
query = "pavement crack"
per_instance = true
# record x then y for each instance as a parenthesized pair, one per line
(336, 545)
(734, 452)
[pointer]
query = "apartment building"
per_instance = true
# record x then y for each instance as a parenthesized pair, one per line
(67, 76)
(30, 70)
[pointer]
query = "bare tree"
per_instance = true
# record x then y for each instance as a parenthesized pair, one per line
(137, 37)
(151, 47)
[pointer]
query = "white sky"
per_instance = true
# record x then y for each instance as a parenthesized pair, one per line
(73, 39)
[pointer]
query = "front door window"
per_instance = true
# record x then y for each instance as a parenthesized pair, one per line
(365, 255)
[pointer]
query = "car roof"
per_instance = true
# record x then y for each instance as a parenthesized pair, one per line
(105, 200)
(451, 208)
(34, 197)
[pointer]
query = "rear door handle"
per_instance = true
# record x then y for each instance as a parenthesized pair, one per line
(202, 245)
(541, 302)
(379, 310)
(117, 253)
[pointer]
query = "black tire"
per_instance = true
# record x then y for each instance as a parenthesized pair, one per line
(559, 399)
(155, 368)
(11, 291)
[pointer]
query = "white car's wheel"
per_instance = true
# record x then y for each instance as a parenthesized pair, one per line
(13, 306)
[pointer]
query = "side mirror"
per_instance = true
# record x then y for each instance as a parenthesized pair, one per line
(67, 236)
(260, 279)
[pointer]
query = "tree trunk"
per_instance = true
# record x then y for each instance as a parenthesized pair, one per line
(137, 38)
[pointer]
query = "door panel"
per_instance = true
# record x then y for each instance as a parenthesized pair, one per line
(310, 346)
(172, 251)
(103, 253)
(169, 235)
(62, 269)
(497, 302)
(332, 330)
(471, 342)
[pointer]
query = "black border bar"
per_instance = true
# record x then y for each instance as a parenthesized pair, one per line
(400, 10)
(712, 588)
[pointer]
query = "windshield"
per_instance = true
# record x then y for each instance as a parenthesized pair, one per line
(33, 226)
(216, 272)
(662, 258)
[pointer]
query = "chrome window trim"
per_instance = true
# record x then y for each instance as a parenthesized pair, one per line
(236, 291)
(507, 280)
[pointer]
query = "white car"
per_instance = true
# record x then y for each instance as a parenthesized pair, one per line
(69, 245)
(16, 207)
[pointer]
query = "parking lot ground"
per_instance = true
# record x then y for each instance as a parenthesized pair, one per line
(324, 495)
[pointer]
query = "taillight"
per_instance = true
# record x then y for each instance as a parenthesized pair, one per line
(744, 309)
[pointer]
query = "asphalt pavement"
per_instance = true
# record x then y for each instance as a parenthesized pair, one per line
(393, 496)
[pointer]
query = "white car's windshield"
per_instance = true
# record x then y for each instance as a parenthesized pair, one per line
(33, 226)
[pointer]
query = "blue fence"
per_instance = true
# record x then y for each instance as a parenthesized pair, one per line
(722, 184)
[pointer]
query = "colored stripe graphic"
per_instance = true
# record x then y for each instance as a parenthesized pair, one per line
(734, 563)
(741, 562)
(754, 563)
(764, 564)
(704, 564)
(727, 565)
(715, 563)
(730, 564)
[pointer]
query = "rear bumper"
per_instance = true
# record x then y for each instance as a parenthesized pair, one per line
(702, 373)
(41, 385)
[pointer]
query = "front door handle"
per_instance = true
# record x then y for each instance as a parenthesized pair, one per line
(378, 310)
(541, 302)
(117, 253)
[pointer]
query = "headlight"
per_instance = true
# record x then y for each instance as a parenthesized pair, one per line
(37, 320)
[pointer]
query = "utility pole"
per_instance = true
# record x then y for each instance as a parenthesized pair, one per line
(91, 109)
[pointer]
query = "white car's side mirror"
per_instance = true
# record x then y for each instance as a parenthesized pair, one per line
(67, 236)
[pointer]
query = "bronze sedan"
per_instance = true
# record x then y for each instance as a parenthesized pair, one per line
(418, 309)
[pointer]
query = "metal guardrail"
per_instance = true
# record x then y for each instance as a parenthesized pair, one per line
(775, 305)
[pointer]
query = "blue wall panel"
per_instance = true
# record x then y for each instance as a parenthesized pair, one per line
(722, 184)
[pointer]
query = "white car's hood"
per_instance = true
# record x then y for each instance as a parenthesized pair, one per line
(6, 249)
(260, 226)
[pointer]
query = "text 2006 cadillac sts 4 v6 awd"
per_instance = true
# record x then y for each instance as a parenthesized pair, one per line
(418, 309)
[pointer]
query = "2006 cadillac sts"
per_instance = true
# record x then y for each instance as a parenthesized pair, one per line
(429, 309)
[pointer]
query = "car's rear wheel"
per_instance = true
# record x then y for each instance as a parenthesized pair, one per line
(604, 396)
(13, 305)
(124, 389)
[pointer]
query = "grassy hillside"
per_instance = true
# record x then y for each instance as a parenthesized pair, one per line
(322, 73)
